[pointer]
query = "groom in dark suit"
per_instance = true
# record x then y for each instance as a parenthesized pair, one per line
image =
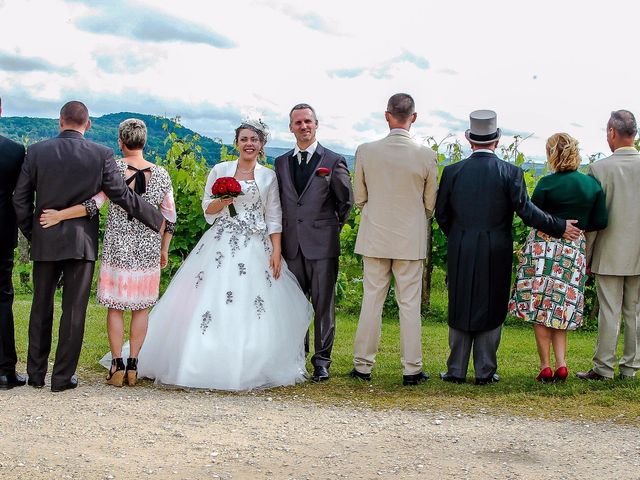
(11, 158)
(316, 197)
(64, 171)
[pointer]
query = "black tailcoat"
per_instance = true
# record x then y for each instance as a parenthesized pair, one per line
(476, 202)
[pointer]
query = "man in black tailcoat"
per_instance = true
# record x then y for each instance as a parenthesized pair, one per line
(316, 197)
(11, 158)
(476, 202)
(63, 171)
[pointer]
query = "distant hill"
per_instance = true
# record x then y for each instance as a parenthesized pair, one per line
(104, 130)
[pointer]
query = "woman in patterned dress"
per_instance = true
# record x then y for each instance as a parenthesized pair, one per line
(551, 274)
(233, 316)
(132, 254)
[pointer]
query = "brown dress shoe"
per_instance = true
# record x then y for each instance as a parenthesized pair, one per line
(590, 375)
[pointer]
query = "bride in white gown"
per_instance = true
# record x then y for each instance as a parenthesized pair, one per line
(233, 317)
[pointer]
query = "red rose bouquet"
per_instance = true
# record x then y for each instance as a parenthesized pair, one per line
(227, 187)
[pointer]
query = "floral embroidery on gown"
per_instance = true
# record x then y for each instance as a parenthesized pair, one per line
(225, 322)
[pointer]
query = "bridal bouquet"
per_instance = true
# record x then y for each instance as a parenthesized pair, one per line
(227, 187)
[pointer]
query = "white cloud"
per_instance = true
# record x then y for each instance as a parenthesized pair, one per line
(543, 71)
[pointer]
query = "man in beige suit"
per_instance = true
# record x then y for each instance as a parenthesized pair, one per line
(395, 188)
(615, 252)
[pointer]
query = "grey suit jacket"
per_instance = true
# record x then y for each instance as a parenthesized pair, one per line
(396, 183)
(616, 249)
(65, 171)
(311, 221)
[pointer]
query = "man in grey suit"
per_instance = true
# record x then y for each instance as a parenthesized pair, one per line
(60, 172)
(395, 188)
(613, 254)
(11, 158)
(316, 198)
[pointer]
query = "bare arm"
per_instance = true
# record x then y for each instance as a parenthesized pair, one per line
(276, 256)
(89, 208)
(51, 217)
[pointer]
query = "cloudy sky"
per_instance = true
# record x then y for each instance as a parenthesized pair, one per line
(544, 66)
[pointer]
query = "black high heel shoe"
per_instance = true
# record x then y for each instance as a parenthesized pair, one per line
(116, 377)
(132, 371)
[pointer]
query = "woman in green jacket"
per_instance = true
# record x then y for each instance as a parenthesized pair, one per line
(549, 289)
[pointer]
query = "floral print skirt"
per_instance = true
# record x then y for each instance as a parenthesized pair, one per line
(549, 288)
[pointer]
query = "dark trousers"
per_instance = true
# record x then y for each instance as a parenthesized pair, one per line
(8, 356)
(77, 276)
(485, 347)
(317, 278)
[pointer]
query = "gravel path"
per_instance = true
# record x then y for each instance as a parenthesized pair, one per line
(99, 432)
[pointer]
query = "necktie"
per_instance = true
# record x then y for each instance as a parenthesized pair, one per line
(303, 158)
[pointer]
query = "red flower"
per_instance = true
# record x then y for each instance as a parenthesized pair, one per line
(227, 187)
(323, 171)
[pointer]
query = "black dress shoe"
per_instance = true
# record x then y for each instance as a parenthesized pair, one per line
(414, 379)
(445, 377)
(73, 383)
(359, 375)
(590, 375)
(7, 382)
(495, 378)
(320, 374)
(35, 383)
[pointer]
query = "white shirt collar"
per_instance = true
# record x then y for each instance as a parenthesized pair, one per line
(625, 149)
(400, 131)
(311, 149)
(483, 150)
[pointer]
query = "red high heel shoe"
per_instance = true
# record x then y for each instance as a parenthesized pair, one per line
(561, 374)
(545, 375)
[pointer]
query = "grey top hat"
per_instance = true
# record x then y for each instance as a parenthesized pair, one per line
(484, 129)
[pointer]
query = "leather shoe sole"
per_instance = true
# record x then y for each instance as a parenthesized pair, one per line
(445, 377)
(320, 374)
(414, 379)
(35, 383)
(591, 375)
(7, 382)
(495, 378)
(360, 376)
(73, 383)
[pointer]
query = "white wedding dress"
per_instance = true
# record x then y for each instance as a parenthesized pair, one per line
(224, 322)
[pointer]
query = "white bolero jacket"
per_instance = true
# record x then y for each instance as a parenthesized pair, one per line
(267, 186)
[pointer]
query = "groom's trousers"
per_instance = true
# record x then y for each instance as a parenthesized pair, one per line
(8, 357)
(76, 275)
(317, 278)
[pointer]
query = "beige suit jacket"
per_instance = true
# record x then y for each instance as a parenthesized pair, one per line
(395, 188)
(616, 249)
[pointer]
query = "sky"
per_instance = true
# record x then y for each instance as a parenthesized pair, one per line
(544, 67)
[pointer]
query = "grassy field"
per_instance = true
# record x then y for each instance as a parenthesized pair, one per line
(517, 393)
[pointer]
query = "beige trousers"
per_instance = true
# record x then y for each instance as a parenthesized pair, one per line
(619, 296)
(408, 287)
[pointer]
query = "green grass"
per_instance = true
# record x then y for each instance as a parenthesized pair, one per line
(517, 393)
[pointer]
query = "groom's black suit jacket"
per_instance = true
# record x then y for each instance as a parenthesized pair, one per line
(11, 158)
(65, 171)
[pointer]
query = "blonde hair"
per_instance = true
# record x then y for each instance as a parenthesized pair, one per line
(562, 153)
(133, 133)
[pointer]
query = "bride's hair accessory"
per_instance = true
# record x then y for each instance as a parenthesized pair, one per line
(259, 127)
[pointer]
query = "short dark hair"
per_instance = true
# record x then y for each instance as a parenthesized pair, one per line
(74, 113)
(624, 123)
(303, 106)
(401, 106)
